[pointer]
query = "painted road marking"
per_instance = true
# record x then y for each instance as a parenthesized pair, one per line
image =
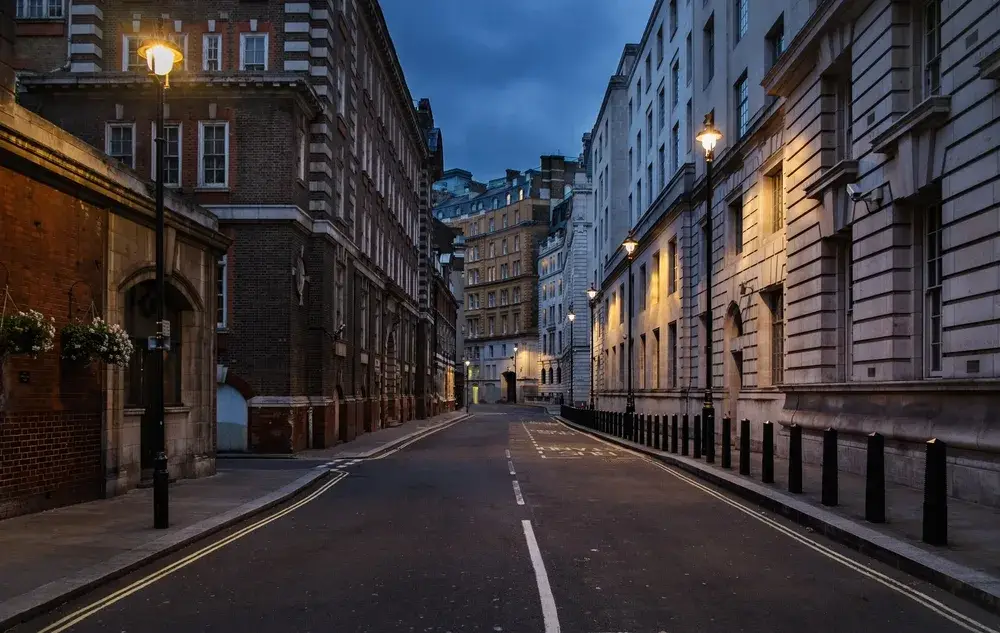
(549, 613)
(507, 453)
(517, 493)
(919, 597)
(444, 426)
(81, 614)
(510, 467)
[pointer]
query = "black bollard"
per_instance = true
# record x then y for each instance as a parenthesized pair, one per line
(161, 481)
(673, 433)
(656, 433)
(936, 494)
(727, 451)
(767, 454)
(875, 480)
(649, 430)
(697, 436)
(830, 485)
(684, 434)
(620, 424)
(710, 438)
(795, 458)
(745, 447)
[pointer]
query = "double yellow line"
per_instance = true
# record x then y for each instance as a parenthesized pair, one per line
(77, 616)
(919, 597)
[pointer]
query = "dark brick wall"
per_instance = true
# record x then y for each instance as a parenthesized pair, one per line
(40, 45)
(53, 248)
(7, 8)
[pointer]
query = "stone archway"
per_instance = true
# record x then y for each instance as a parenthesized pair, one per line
(390, 376)
(733, 360)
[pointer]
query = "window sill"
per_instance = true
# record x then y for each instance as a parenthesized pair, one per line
(177, 408)
(929, 113)
(204, 188)
(133, 411)
(842, 172)
(989, 66)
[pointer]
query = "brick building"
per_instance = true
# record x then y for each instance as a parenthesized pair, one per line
(502, 228)
(76, 241)
(292, 122)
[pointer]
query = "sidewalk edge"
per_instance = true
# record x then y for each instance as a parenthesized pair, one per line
(416, 435)
(969, 584)
(22, 608)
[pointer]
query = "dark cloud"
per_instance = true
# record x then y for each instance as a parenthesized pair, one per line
(509, 81)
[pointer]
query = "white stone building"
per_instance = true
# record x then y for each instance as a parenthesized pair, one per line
(855, 229)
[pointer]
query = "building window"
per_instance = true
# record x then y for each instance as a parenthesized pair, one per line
(649, 183)
(213, 154)
(776, 303)
(689, 122)
(211, 52)
(673, 18)
(932, 287)
(709, 52)
(742, 12)
(517, 268)
(654, 279)
(130, 54)
(222, 295)
(171, 154)
(776, 41)
(642, 287)
(675, 84)
(120, 143)
(649, 126)
(661, 166)
(642, 362)
(655, 364)
(302, 155)
(621, 303)
(736, 225)
(672, 266)
(672, 352)
(39, 9)
(638, 200)
(253, 51)
(845, 300)
(659, 46)
(517, 243)
(630, 163)
(741, 104)
(649, 70)
(689, 60)
(932, 47)
(661, 109)
(845, 123)
(675, 148)
(777, 195)
(341, 92)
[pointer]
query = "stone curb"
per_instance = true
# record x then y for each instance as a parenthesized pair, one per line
(50, 596)
(967, 583)
(388, 446)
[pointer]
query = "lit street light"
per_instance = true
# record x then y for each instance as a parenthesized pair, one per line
(630, 244)
(161, 56)
(592, 296)
(468, 384)
(572, 317)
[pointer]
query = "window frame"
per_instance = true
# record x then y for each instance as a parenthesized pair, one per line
(222, 294)
(201, 154)
(47, 6)
(107, 140)
(180, 152)
(205, 38)
(243, 49)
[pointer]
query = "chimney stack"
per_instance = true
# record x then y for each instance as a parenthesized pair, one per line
(6, 51)
(512, 175)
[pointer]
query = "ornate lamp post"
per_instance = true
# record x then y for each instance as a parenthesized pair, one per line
(630, 244)
(572, 317)
(468, 384)
(592, 296)
(709, 136)
(160, 56)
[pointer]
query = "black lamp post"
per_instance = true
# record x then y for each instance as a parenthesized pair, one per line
(592, 295)
(160, 56)
(709, 136)
(630, 244)
(572, 317)
(468, 384)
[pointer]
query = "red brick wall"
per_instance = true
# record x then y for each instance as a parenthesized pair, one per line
(53, 248)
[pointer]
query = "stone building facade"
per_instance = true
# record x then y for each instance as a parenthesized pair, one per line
(77, 242)
(293, 124)
(854, 217)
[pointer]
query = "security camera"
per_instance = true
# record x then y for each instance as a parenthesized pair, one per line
(853, 192)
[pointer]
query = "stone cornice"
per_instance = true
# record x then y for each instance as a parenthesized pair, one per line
(989, 66)
(928, 113)
(39, 149)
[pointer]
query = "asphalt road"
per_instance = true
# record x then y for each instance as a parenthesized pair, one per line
(438, 538)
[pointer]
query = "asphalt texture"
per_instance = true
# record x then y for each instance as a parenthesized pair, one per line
(432, 538)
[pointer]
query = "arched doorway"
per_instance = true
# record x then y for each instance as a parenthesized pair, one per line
(140, 385)
(391, 378)
(733, 359)
(510, 379)
(231, 419)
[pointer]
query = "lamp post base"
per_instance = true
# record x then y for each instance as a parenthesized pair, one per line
(161, 479)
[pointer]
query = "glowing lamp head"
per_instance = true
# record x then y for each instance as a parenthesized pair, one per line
(571, 316)
(630, 244)
(592, 293)
(515, 349)
(161, 56)
(709, 136)
(467, 363)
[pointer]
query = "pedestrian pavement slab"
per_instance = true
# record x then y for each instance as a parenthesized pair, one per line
(383, 440)
(50, 557)
(969, 566)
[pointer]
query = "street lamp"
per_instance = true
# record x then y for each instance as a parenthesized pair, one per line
(630, 244)
(514, 358)
(592, 296)
(709, 136)
(468, 383)
(572, 317)
(160, 56)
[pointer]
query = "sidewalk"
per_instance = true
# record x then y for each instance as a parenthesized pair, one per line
(383, 440)
(969, 566)
(53, 556)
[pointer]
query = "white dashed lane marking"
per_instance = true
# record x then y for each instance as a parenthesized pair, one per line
(340, 463)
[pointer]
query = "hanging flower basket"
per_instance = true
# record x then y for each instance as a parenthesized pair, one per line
(97, 340)
(26, 333)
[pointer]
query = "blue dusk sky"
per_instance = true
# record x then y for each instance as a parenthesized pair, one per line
(510, 81)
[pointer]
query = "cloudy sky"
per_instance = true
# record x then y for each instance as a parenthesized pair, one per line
(509, 81)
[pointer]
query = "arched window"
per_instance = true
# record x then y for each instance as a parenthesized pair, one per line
(559, 375)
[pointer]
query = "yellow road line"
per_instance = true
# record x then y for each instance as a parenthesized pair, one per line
(81, 614)
(447, 425)
(921, 598)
